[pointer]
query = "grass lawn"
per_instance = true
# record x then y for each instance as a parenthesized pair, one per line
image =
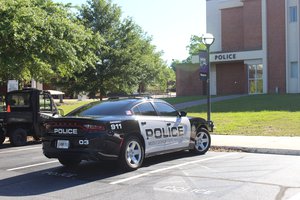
(176, 100)
(265, 115)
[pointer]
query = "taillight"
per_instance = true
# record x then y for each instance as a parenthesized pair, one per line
(94, 127)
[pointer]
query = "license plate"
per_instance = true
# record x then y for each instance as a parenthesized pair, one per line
(63, 144)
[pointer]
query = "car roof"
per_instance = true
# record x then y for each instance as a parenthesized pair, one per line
(136, 100)
(117, 105)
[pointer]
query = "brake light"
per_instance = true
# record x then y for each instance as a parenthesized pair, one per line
(93, 127)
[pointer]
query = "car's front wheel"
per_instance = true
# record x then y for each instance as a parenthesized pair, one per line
(202, 141)
(132, 154)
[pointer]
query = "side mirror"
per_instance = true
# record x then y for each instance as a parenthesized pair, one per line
(182, 114)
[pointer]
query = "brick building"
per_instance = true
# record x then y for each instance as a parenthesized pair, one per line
(256, 48)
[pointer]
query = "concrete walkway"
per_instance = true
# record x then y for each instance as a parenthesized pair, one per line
(204, 101)
(257, 144)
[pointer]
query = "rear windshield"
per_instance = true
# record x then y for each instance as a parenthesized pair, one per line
(19, 100)
(102, 108)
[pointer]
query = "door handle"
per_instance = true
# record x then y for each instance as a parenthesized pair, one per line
(143, 123)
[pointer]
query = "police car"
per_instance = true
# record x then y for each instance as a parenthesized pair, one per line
(127, 130)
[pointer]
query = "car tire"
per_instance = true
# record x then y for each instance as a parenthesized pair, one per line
(2, 136)
(18, 137)
(68, 162)
(202, 141)
(132, 154)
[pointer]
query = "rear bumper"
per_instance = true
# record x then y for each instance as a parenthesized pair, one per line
(101, 147)
(86, 154)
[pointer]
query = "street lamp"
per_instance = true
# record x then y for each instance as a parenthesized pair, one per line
(208, 39)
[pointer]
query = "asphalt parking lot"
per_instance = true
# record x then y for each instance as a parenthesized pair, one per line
(26, 174)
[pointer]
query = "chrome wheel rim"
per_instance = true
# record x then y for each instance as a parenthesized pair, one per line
(202, 141)
(133, 154)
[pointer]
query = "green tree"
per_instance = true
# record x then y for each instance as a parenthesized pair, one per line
(43, 40)
(127, 61)
(104, 18)
(174, 63)
(194, 47)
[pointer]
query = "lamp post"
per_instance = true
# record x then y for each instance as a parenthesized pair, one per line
(208, 39)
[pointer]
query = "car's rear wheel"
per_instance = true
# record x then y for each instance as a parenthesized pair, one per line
(69, 162)
(132, 154)
(18, 137)
(202, 141)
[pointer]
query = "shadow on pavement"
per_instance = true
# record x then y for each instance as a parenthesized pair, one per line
(56, 179)
(59, 178)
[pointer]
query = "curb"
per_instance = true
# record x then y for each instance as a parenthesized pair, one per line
(258, 150)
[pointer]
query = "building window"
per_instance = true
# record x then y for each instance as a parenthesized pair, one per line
(293, 14)
(294, 70)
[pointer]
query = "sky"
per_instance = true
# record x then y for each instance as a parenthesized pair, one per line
(171, 23)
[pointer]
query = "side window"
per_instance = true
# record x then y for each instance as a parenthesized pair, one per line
(165, 109)
(136, 110)
(45, 103)
(144, 109)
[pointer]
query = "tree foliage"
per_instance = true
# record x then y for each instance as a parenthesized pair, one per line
(195, 45)
(94, 50)
(128, 61)
(194, 48)
(42, 40)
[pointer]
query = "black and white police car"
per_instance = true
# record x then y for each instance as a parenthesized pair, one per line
(127, 130)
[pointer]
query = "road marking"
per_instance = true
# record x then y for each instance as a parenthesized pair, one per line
(17, 150)
(34, 165)
(180, 189)
(60, 174)
(168, 168)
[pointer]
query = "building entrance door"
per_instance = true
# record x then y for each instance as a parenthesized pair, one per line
(255, 79)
